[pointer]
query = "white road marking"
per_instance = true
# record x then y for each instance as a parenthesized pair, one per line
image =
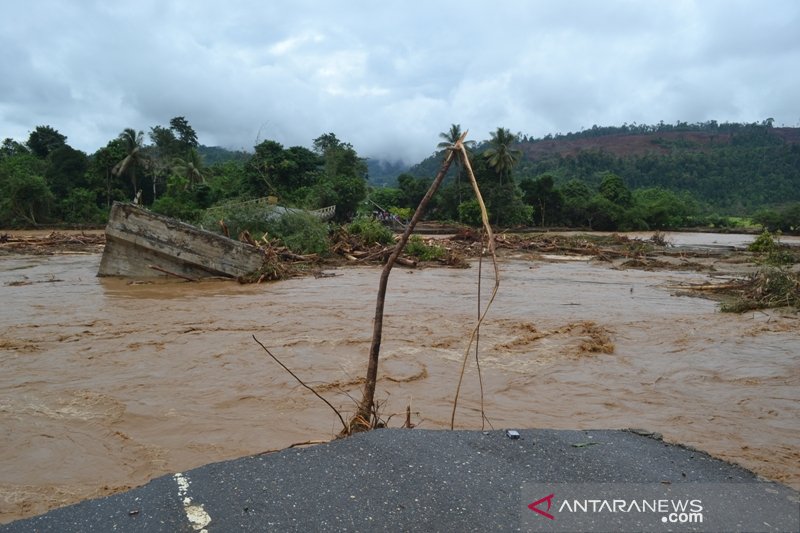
(197, 516)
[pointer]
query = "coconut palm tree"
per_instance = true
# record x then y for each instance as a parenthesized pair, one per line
(449, 139)
(134, 158)
(451, 136)
(500, 155)
(191, 168)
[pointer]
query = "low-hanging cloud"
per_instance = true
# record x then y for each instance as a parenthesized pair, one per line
(389, 77)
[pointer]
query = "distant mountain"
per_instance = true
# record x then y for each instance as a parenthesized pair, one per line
(384, 173)
(215, 154)
(650, 143)
(381, 173)
(731, 167)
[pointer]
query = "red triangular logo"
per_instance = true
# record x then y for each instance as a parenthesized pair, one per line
(534, 506)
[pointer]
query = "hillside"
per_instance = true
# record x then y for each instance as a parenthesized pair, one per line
(732, 168)
(635, 145)
(213, 155)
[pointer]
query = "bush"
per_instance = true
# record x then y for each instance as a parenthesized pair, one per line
(771, 251)
(422, 251)
(238, 216)
(80, 207)
(517, 214)
(176, 208)
(787, 219)
(470, 213)
(403, 213)
(301, 232)
(370, 231)
(183, 200)
(764, 243)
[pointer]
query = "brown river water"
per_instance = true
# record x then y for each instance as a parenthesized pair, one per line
(107, 384)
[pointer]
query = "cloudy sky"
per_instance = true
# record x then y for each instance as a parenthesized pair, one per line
(389, 76)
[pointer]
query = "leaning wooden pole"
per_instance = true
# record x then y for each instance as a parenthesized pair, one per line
(362, 419)
(481, 315)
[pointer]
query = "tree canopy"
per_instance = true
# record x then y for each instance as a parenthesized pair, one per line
(45, 139)
(629, 177)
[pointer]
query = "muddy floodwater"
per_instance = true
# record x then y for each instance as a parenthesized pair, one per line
(107, 384)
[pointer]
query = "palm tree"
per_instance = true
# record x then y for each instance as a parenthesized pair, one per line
(134, 158)
(451, 136)
(500, 155)
(449, 139)
(191, 168)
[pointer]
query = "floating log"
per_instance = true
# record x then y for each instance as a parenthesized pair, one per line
(404, 261)
(710, 287)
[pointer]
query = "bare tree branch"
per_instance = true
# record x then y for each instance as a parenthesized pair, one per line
(300, 381)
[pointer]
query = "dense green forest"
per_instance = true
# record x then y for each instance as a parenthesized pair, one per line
(654, 177)
(615, 178)
(44, 181)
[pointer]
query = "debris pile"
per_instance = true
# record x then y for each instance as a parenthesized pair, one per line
(51, 244)
(765, 289)
(354, 249)
(279, 262)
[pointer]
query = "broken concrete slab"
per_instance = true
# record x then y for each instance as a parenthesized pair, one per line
(143, 244)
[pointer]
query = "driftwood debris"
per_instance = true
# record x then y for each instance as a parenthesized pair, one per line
(710, 286)
(356, 252)
(768, 287)
(53, 243)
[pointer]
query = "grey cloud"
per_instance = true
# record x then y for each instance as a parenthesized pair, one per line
(389, 77)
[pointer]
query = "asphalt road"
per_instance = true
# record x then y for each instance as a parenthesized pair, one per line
(421, 480)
